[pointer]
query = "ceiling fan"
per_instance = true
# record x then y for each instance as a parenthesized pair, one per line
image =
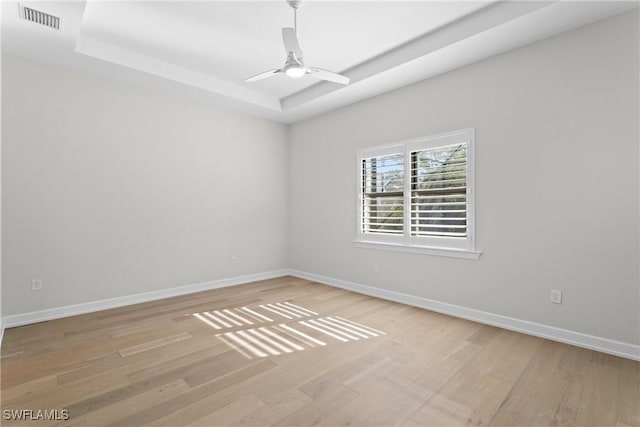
(293, 66)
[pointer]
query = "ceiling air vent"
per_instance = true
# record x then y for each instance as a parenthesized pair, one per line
(41, 18)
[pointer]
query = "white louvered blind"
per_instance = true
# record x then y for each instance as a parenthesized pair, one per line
(383, 194)
(418, 195)
(439, 191)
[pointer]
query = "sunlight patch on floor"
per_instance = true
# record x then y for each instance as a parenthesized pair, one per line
(251, 336)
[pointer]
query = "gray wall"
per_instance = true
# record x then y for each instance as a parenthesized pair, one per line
(1, 321)
(110, 190)
(557, 183)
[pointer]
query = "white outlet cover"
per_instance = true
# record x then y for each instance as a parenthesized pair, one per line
(36, 285)
(556, 296)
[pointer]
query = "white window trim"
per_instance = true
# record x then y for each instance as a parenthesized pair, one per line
(450, 247)
(414, 249)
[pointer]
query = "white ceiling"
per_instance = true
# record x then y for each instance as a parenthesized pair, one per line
(206, 49)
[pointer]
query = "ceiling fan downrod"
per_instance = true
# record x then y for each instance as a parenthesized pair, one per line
(294, 5)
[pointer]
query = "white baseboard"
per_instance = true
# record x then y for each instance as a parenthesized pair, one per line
(579, 339)
(605, 345)
(90, 307)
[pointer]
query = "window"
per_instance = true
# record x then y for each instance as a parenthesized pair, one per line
(383, 194)
(418, 195)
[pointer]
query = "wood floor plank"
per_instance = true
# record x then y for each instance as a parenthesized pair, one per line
(433, 379)
(366, 408)
(279, 407)
(342, 373)
(197, 402)
(396, 363)
(29, 388)
(110, 414)
(318, 409)
(628, 410)
(314, 382)
(214, 366)
(198, 353)
(138, 348)
(231, 414)
(59, 396)
(513, 364)
(599, 397)
(481, 404)
(443, 406)
(145, 361)
(559, 405)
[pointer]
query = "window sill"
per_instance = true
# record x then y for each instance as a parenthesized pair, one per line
(452, 253)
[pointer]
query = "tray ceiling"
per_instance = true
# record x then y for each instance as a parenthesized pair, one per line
(206, 49)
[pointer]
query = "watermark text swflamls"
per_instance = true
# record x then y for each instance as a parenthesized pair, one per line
(35, 414)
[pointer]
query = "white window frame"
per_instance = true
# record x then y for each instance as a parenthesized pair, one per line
(431, 245)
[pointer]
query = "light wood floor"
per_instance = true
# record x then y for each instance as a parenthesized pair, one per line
(172, 363)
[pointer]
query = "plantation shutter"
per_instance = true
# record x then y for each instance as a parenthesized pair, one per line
(383, 194)
(439, 191)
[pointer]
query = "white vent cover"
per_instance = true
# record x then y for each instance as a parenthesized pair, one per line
(40, 18)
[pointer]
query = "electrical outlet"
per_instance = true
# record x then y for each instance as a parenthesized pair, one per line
(375, 268)
(234, 259)
(36, 285)
(556, 296)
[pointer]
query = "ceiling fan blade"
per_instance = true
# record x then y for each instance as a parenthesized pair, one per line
(329, 76)
(291, 42)
(263, 75)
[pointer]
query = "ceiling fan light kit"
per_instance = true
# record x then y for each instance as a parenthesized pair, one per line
(293, 68)
(294, 65)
